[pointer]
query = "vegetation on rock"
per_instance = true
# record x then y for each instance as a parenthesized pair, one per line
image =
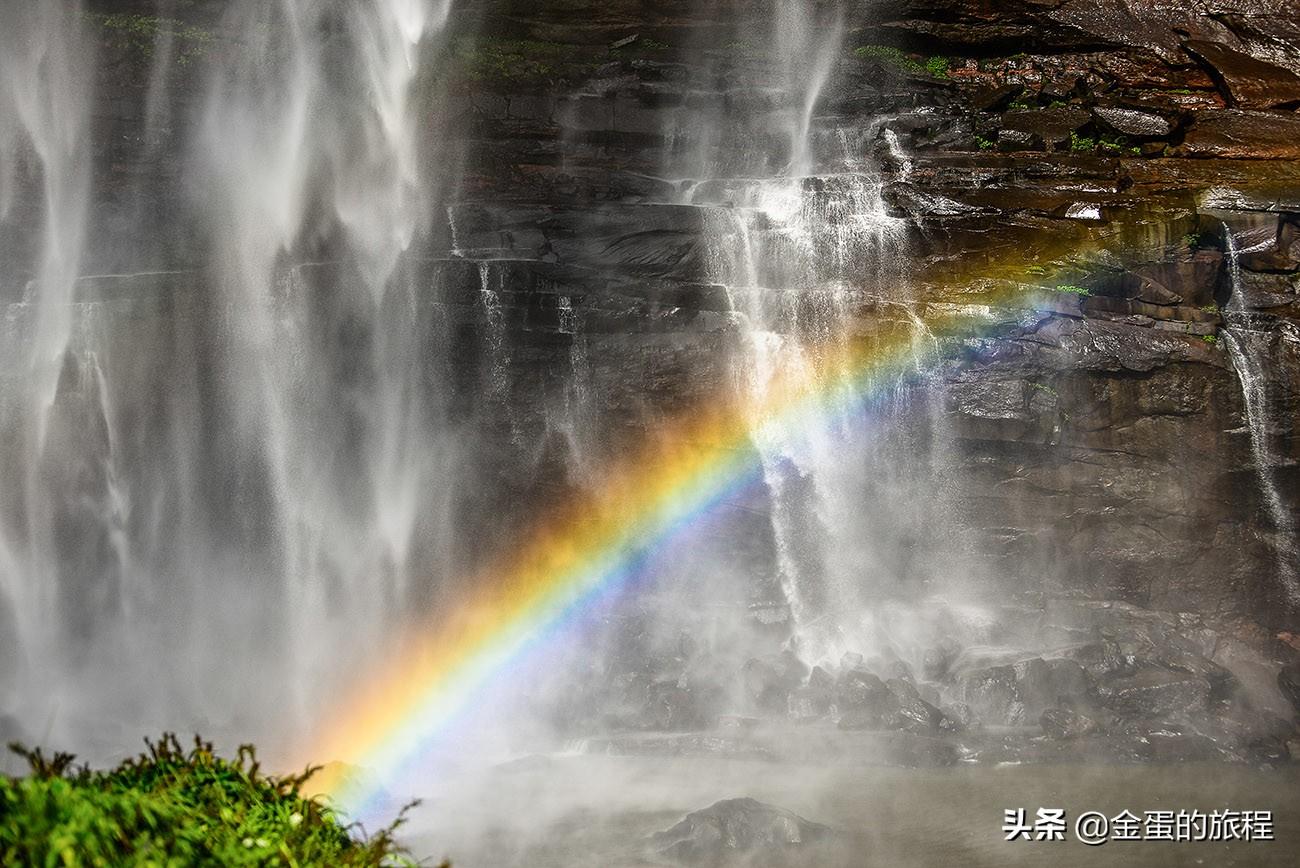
(936, 66)
(171, 806)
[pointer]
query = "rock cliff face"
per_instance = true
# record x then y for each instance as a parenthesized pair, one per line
(1111, 186)
(1102, 439)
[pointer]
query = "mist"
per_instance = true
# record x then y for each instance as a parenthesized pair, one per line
(319, 314)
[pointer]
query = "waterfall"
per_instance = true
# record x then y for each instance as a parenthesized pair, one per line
(1248, 349)
(798, 232)
(50, 379)
(222, 486)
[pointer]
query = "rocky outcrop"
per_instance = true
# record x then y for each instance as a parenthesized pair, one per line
(1066, 170)
(746, 831)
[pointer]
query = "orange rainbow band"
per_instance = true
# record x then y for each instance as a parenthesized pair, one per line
(590, 547)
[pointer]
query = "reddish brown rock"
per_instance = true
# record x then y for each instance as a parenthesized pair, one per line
(1250, 83)
(1244, 135)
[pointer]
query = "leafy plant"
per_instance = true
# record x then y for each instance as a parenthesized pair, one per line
(1072, 289)
(1210, 339)
(984, 144)
(1082, 143)
(938, 66)
(1118, 144)
(172, 806)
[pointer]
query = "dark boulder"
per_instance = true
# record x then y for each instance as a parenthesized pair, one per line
(911, 712)
(1043, 684)
(1155, 693)
(1062, 724)
(996, 98)
(936, 661)
(1131, 122)
(859, 688)
(811, 702)
(743, 830)
(769, 680)
(819, 677)
(1050, 128)
(958, 717)
(993, 695)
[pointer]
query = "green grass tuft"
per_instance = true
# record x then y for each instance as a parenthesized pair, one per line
(1072, 289)
(936, 66)
(176, 807)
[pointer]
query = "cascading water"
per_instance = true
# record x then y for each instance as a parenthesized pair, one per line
(258, 461)
(51, 388)
(1247, 344)
(798, 232)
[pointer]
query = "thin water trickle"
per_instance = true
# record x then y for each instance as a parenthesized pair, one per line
(1248, 348)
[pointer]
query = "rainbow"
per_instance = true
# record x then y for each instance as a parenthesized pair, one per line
(590, 549)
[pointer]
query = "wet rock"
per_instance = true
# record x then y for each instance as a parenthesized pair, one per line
(1280, 257)
(821, 678)
(1015, 140)
(1042, 684)
(740, 829)
(1249, 81)
(1190, 279)
(993, 695)
(899, 669)
(936, 661)
(1155, 693)
(671, 708)
(1131, 122)
(1178, 657)
(1049, 127)
(911, 712)
(810, 703)
(1238, 134)
(768, 681)
(995, 99)
(1062, 723)
(1288, 681)
(863, 701)
(958, 717)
